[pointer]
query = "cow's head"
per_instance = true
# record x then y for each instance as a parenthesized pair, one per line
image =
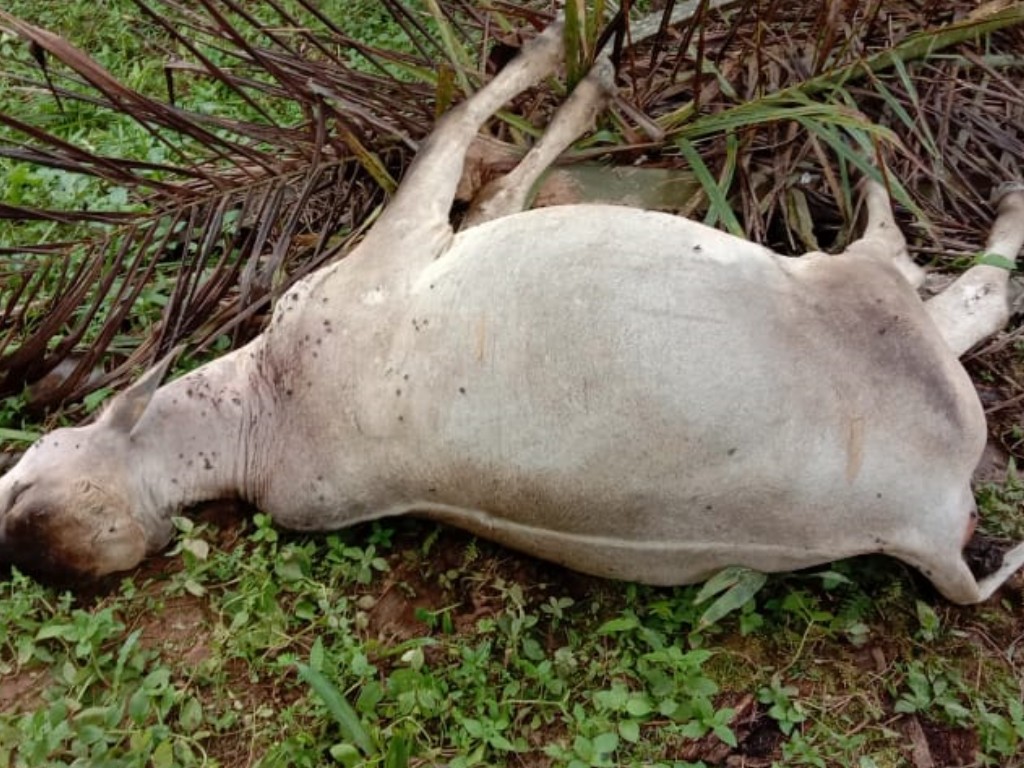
(70, 508)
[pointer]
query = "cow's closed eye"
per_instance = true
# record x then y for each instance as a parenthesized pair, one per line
(18, 491)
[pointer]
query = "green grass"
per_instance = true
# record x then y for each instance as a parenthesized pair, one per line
(407, 645)
(404, 644)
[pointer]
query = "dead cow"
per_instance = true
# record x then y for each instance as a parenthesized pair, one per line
(628, 393)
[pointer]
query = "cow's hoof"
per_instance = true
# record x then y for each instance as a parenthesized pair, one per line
(1004, 189)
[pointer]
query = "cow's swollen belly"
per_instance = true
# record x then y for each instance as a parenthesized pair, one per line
(651, 558)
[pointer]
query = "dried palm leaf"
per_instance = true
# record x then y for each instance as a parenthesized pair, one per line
(775, 105)
(245, 207)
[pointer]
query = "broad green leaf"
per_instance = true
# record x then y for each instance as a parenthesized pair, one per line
(63, 631)
(629, 730)
(638, 705)
(197, 547)
(19, 435)
(995, 260)
(316, 655)
(605, 744)
(163, 755)
(735, 597)
(191, 715)
(621, 624)
(345, 754)
(725, 734)
(721, 581)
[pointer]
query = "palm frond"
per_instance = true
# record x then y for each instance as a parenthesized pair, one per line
(304, 129)
(810, 92)
(241, 207)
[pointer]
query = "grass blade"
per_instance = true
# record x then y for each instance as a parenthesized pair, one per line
(18, 435)
(342, 712)
(457, 56)
(719, 207)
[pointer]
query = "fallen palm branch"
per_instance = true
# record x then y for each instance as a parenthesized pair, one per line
(766, 104)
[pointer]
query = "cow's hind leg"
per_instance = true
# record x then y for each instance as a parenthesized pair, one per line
(508, 194)
(948, 571)
(976, 305)
(418, 214)
(882, 238)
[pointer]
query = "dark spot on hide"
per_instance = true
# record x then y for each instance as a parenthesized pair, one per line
(207, 464)
(697, 248)
(398, 393)
(731, 452)
(462, 390)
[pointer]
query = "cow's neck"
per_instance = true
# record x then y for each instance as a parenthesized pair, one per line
(197, 441)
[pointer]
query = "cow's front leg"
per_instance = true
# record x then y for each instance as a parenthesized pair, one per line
(508, 194)
(976, 305)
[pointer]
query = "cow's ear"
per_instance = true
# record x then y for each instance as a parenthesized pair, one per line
(127, 408)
